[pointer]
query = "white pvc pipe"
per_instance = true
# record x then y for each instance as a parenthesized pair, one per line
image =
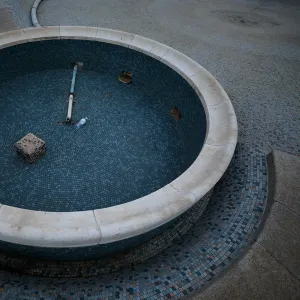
(71, 97)
(73, 79)
(70, 107)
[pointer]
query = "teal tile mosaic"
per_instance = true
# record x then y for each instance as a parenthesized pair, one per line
(130, 146)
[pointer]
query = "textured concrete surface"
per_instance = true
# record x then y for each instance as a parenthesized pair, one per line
(280, 237)
(252, 47)
(257, 276)
(15, 14)
(287, 170)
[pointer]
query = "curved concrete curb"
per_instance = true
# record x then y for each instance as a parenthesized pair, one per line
(34, 9)
(102, 226)
(270, 268)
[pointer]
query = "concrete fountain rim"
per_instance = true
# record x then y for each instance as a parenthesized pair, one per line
(116, 223)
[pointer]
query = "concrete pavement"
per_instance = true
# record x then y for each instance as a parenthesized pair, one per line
(270, 269)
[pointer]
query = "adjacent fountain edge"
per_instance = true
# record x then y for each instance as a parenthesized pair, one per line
(102, 226)
(33, 13)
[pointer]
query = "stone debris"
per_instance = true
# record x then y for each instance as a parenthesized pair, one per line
(175, 113)
(31, 148)
(126, 77)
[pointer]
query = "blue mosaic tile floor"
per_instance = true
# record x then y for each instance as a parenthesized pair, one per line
(129, 134)
(217, 239)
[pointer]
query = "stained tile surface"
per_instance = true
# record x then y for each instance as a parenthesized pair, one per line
(130, 146)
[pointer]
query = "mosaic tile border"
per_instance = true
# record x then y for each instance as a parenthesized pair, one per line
(224, 231)
(110, 264)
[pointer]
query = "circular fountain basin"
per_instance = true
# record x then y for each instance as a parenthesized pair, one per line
(133, 168)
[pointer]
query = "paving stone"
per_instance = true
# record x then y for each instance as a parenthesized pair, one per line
(256, 276)
(287, 168)
(280, 237)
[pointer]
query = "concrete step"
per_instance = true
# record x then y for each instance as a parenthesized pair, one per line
(271, 268)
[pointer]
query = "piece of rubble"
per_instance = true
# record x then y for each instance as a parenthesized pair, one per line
(31, 148)
(126, 77)
(175, 113)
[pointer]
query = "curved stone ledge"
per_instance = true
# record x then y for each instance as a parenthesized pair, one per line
(33, 15)
(102, 226)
